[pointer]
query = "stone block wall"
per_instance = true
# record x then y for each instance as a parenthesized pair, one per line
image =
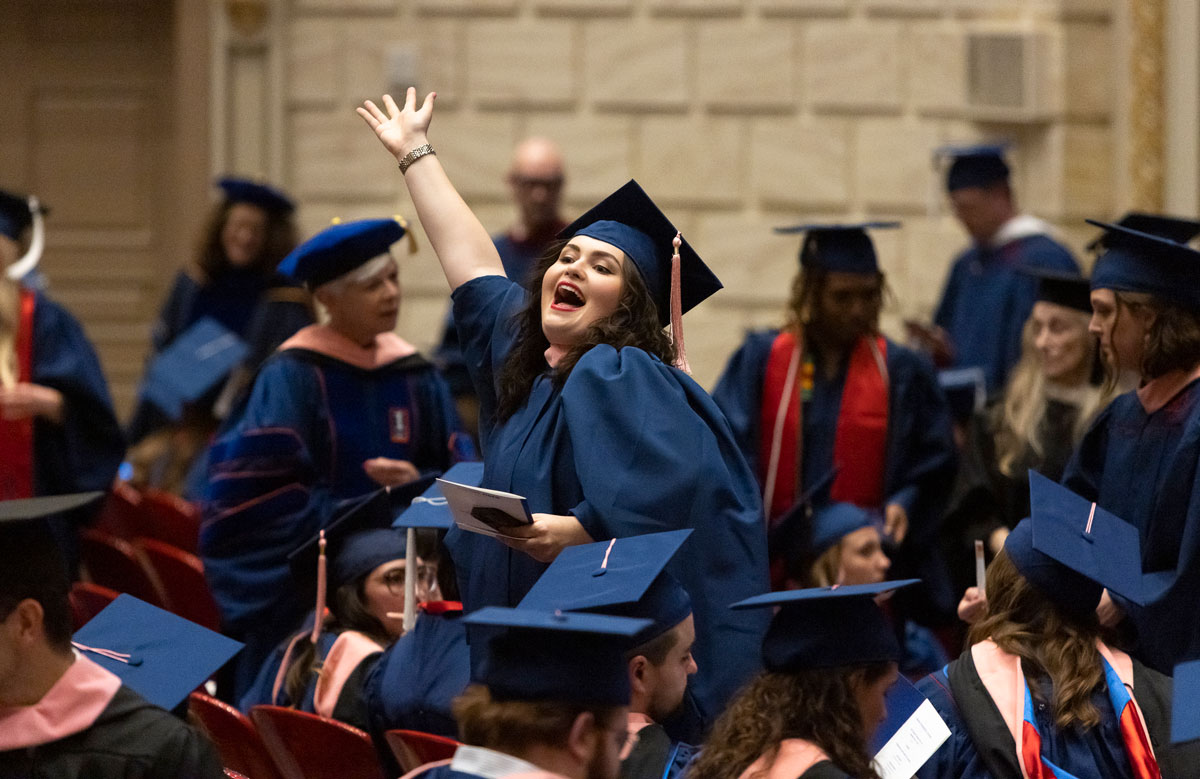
(736, 115)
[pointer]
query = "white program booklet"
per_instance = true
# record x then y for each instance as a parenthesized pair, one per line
(912, 733)
(488, 512)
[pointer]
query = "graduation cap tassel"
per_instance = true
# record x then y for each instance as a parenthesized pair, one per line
(681, 360)
(410, 579)
(24, 266)
(319, 613)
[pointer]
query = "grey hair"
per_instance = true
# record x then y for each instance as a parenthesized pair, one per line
(359, 275)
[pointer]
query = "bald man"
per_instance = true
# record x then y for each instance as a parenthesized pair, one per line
(535, 180)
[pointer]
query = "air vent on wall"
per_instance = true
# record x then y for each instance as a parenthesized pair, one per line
(1008, 76)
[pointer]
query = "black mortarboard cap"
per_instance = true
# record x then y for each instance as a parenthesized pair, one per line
(15, 216)
(845, 248)
(1140, 262)
(631, 221)
(980, 165)
(1062, 288)
(1171, 227)
(827, 627)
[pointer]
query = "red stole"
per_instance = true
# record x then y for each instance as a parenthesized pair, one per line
(16, 435)
(860, 442)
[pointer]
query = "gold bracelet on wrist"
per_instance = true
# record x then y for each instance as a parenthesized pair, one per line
(408, 159)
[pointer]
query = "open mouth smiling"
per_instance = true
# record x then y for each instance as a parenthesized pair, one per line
(567, 297)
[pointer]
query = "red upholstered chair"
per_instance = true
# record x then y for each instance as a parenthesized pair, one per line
(238, 743)
(305, 746)
(182, 578)
(120, 515)
(229, 772)
(87, 600)
(170, 519)
(115, 563)
(413, 748)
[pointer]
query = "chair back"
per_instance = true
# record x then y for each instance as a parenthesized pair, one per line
(307, 746)
(413, 748)
(115, 563)
(120, 514)
(87, 600)
(237, 742)
(182, 576)
(170, 519)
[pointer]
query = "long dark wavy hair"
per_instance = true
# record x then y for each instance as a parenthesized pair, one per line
(1053, 645)
(211, 262)
(633, 323)
(1172, 342)
(817, 706)
(807, 287)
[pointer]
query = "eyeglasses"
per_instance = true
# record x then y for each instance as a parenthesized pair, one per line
(529, 182)
(426, 579)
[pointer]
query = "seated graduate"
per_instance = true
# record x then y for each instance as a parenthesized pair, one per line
(1042, 690)
(415, 681)
(233, 281)
(341, 409)
(830, 392)
(58, 432)
(830, 656)
(360, 562)
(582, 411)
(1139, 458)
(62, 714)
(625, 577)
(550, 700)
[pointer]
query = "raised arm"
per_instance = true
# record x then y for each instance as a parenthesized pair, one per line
(461, 243)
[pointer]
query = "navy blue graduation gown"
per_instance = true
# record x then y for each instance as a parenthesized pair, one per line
(246, 303)
(84, 452)
(986, 301)
(920, 458)
(1145, 468)
(628, 446)
(979, 737)
(295, 452)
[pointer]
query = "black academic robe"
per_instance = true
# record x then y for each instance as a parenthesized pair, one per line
(130, 740)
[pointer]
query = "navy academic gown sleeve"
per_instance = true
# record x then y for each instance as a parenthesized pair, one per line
(84, 452)
(739, 392)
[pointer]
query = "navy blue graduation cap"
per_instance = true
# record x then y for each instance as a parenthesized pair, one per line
(826, 627)
(965, 390)
(157, 654)
(556, 656)
(629, 220)
(1171, 227)
(15, 215)
(1135, 261)
(622, 576)
(31, 563)
(1185, 714)
(1062, 288)
(1070, 549)
(360, 537)
(30, 509)
(845, 248)
(241, 190)
(429, 509)
(339, 249)
(834, 521)
(195, 362)
(980, 165)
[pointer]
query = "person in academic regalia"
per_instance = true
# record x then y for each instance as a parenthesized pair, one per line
(1042, 689)
(625, 577)
(62, 714)
(535, 181)
(829, 657)
(550, 700)
(323, 670)
(986, 300)
(234, 282)
(829, 393)
(582, 411)
(1141, 457)
(340, 410)
(58, 432)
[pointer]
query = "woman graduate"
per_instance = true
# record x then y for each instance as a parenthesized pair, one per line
(1140, 458)
(340, 410)
(1042, 691)
(581, 410)
(829, 392)
(232, 281)
(829, 657)
(58, 432)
